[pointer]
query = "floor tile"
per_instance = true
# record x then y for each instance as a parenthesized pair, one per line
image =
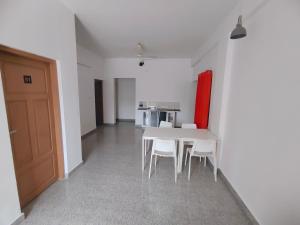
(110, 189)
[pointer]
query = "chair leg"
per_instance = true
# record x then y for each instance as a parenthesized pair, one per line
(190, 161)
(143, 158)
(200, 159)
(215, 167)
(215, 173)
(146, 148)
(175, 168)
(155, 162)
(205, 161)
(150, 165)
(186, 154)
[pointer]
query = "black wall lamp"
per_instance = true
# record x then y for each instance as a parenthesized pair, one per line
(239, 31)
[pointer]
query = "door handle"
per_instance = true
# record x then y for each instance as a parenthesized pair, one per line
(11, 132)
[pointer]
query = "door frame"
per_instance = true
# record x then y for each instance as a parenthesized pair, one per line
(55, 99)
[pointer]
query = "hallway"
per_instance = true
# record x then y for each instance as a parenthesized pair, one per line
(109, 189)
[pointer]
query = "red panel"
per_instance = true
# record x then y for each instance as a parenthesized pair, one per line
(203, 99)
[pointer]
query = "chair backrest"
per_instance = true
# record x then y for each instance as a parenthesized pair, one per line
(204, 146)
(164, 145)
(164, 124)
(189, 126)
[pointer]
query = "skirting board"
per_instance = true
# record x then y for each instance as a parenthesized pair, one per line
(109, 124)
(19, 219)
(235, 195)
(73, 170)
(88, 133)
(126, 120)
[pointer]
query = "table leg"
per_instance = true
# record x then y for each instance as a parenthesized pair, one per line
(143, 154)
(215, 168)
(146, 147)
(215, 163)
(180, 156)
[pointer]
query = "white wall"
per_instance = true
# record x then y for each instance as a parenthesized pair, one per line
(125, 98)
(90, 67)
(86, 99)
(92, 60)
(214, 60)
(109, 101)
(9, 204)
(47, 28)
(167, 80)
(259, 124)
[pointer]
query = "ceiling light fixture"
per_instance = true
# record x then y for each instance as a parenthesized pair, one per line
(140, 54)
(239, 31)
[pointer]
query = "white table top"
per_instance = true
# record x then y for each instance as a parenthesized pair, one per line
(178, 133)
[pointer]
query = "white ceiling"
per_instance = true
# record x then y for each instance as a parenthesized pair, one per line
(167, 28)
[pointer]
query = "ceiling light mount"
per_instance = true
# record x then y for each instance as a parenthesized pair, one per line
(140, 54)
(141, 49)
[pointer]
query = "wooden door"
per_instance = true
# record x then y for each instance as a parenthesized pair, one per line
(30, 111)
(99, 102)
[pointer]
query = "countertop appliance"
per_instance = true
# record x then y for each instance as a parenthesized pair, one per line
(154, 112)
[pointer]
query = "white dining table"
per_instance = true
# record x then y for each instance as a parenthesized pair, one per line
(180, 134)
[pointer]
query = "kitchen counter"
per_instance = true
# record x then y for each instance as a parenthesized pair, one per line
(160, 109)
(154, 112)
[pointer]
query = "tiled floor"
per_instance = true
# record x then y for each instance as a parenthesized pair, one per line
(109, 188)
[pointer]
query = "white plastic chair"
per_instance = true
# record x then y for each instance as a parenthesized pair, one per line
(189, 126)
(164, 124)
(203, 148)
(164, 148)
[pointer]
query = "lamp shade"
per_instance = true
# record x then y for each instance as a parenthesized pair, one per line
(239, 31)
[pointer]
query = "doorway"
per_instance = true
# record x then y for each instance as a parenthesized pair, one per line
(99, 102)
(125, 99)
(32, 106)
